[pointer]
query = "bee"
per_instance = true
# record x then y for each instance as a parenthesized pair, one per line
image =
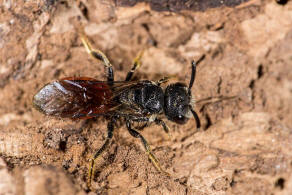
(134, 101)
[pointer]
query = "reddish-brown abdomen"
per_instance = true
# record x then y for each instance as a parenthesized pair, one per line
(79, 97)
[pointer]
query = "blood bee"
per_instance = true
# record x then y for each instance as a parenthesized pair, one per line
(134, 101)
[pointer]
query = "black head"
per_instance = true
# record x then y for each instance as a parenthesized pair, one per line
(177, 101)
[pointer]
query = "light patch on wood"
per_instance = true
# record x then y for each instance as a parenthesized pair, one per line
(265, 30)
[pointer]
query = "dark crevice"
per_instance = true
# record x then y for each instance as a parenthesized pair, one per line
(209, 122)
(63, 145)
(251, 84)
(282, 2)
(219, 85)
(176, 5)
(125, 166)
(96, 174)
(65, 3)
(232, 183)
(66, 164)
(50, 3)
(145, 25)
(260, 71)
(83, 9)
(280, 183)
(112, 156)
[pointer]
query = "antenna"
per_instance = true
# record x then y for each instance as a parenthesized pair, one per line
(192, 80)
(193, 75)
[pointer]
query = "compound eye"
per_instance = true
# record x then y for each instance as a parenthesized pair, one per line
(180, 119)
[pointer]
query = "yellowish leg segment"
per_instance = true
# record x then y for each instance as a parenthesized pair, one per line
(151, 156)
(98, 153)
(98, 55)
(165, 127)
(164, 80)
(136, 65)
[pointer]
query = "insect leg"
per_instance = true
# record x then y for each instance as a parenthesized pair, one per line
(99, 55)
(136, 65)
(157, 121)
(165, 127)
(141, 119)
(151, 156)
(142, 127)
(164, 80)
(110, 128)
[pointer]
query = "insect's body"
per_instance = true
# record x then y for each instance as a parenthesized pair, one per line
(135, 101)
(82, 97)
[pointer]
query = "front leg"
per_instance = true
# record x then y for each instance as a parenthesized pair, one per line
(150, 119)
(151, 156)
(165, 127)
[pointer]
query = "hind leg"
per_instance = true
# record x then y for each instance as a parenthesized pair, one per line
(98, 55)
